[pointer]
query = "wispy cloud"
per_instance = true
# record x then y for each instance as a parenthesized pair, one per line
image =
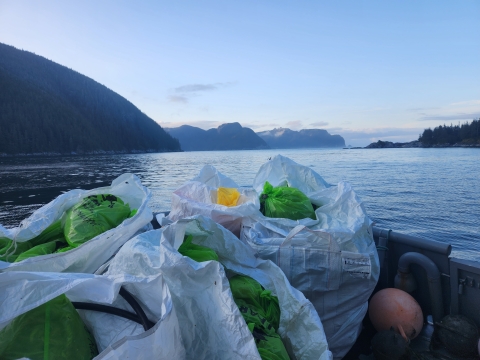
(294, 125)
(261, 125)
(202, 124)
(319, 124)
(460, 110)
(364, 137)
(177, 99)
(467, 103)
(185, 92)
(422, 109)
(451, 117)
(195, 88)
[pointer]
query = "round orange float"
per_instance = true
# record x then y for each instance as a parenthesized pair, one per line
(395, 308)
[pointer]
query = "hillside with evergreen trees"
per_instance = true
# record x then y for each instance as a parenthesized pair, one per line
(46, 108)
(465, 134)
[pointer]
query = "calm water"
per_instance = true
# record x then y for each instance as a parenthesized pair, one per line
(431, 193)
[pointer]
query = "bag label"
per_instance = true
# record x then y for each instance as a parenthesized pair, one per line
(357, 265)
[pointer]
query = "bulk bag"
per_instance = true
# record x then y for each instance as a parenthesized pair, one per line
(211, 323)
(214, 195)
(332, 260)
(202, 296)
(85, 254)
(115, 337)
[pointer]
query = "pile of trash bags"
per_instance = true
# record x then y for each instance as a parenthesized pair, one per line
(279, 270)
(79, 230)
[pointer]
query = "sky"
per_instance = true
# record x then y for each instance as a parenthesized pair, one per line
(365, 70)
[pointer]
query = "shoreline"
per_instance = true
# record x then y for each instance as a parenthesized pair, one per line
(412, 144)
(86, 153)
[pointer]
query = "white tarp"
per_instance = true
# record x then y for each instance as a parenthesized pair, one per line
(89, 256)
(332, 259)
(199, 197)
(117, 338)
(213, 325)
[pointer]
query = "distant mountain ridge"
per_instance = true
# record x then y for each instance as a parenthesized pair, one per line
(282, 138)
(47, 108)
(230, 136)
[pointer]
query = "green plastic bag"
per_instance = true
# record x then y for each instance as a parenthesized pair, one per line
(285, 202)
(247, 289)
(261, 312)
(196, 252)
(43, 249)
(10, 251)
(51, 331)
(258, 306)
(93, 216)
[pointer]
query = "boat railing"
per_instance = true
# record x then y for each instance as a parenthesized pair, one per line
(459, 279)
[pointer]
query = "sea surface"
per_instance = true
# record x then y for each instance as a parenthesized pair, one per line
(431, 193)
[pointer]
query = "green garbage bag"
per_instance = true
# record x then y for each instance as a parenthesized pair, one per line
(261, 312)
(43, 249)
(285, 202)
(92, 216)
(196, 252)
(10, 252)
(258, 306)
(51, 331)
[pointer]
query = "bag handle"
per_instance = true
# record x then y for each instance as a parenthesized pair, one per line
(291, 234)
(333, 245)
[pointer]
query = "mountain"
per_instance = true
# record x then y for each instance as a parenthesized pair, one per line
(308, 138)
(226, 137)
(47, 108)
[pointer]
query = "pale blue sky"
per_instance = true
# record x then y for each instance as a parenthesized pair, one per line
(366, 70)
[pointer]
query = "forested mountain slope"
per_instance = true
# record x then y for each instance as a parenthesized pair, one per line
(48, 108)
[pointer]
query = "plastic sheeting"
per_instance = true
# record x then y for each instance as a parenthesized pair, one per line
(212, 323)
(91, 255)
(199, 197)
(332, 259)
(116, 337)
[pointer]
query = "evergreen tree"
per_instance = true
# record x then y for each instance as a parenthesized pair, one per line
(466, 134)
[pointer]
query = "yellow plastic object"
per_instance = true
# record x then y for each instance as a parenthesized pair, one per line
(227, 196)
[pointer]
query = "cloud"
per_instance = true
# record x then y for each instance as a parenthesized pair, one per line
(468, 103)
(182, 94)
(364, 137)
(319, 124)
(178, 99)
(422, 109)
(261, 126)
(202, 124)
(460, 110)
(450, 117)
(195, 88)
(294, 125)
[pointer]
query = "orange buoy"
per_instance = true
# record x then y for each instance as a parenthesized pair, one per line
(396, 308)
